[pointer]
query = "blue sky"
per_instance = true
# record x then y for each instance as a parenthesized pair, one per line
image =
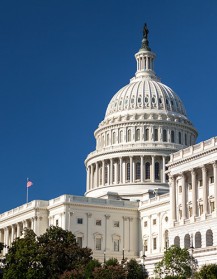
(62, 61)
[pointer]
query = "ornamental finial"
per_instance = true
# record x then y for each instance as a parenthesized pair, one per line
(145, 43)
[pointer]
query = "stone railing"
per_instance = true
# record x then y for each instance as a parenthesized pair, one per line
(23, 208)
(96, 201)
(193, 150)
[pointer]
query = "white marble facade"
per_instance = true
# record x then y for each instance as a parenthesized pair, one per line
(148, 184)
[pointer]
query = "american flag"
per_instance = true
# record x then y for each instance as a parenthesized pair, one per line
(29, 183)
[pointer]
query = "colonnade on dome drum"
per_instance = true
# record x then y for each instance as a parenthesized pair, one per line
(127, 170)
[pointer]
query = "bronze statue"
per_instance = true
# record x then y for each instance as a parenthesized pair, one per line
(145, 31)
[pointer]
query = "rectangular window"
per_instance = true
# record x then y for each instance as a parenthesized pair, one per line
(145, 224)
(79, 241)
(211, 179)
(190, 211)
(201, 209)
(98, 243)
(57, 223)
(212, 206)
(116, 224)
(146, 245)
(116, 245)
(180, 214)
(154, 221)
(98, 222)
(189, 186)
(200, 182)
(180, 189)
(154, 243)
(80, 221)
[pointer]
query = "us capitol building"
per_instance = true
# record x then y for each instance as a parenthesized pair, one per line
(148, 186)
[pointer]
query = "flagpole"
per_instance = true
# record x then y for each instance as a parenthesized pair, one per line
(27, 194)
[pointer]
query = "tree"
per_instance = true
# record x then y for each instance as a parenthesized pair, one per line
(22, 260)
(110, 270)
(176, 262)
(207, 272)
(60, 252)
(135, 270)
(46, 256)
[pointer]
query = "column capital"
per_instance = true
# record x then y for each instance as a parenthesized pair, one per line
(89, 215)
(204, 168)
(193, 171)
(107, 216)
(214, 163)
(125, 218)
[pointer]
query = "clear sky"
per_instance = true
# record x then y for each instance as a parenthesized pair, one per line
(62, 61)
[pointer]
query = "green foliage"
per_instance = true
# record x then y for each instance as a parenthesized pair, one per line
(112, 262)
(207, 272)
(135, 270)
(110, 272)
(46, 256)
(176, 262)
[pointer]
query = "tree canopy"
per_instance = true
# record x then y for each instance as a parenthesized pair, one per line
(46, 256)
(208, 271)
(176, 263)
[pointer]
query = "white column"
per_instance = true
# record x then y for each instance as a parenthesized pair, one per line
(163, 171)
(184, 212)
(153, 169)
(124, 172)
(91, 176)
(194, 195)
(32, 223)
(142, 168)
(88, 178)
(6, 240)
(111, 171)
(121, 170)
(205, 201)
(215, 184)
(108, 174)
(97, 175)
(18, 230)
(131, 169)
(12, 233)
(103, 172)
(116, 172)
(173, 198)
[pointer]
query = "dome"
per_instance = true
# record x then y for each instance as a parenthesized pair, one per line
(144, 123)
(145, 95)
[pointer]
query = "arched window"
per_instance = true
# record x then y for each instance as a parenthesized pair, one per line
(128, 171)
(121, 136)
(185, 139)
(187, 241)
(209, 238)
(107, 139)
(138, 170)
(177, 241)
(103, 141)
(113, 137)
(137, 134)
(106, 174)
(147, 134)
(180, 138)
(119, 170)
(147, 170)
(172, 136)
(129, 135)
(157, 171)
(113, 174)
(100, 176)
(155, 134)
(198, 240)
(166, 239)
(164, 135)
